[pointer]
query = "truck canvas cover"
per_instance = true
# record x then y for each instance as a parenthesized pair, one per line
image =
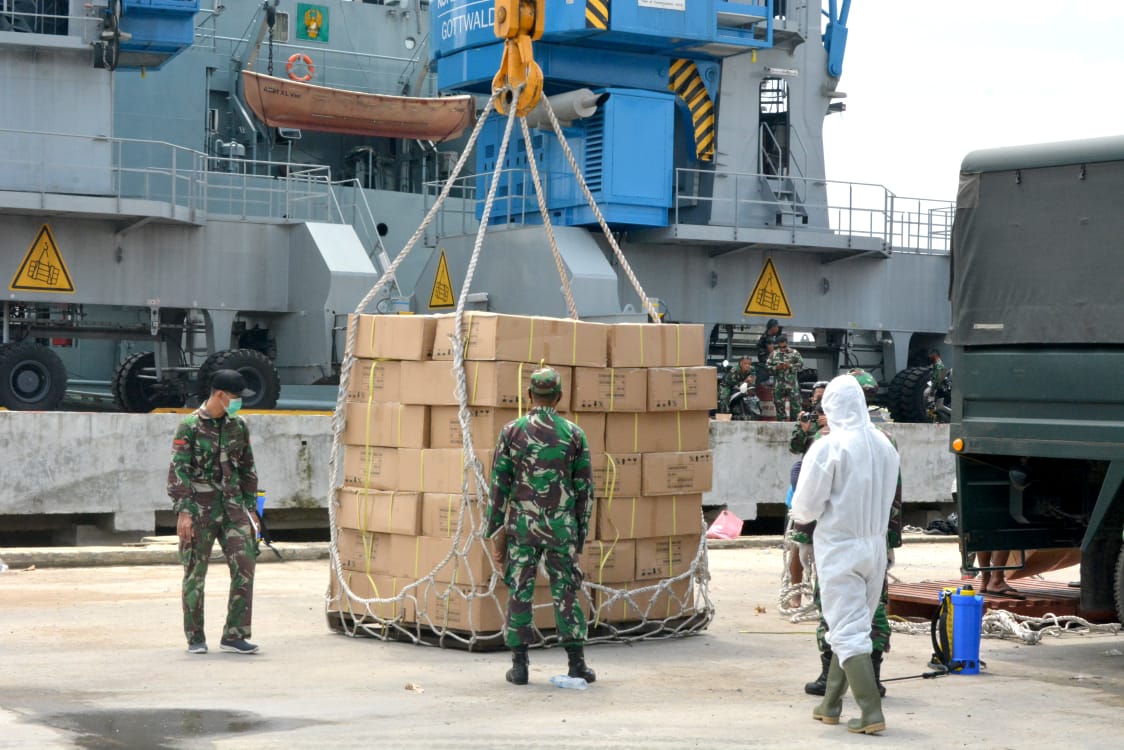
(1038, 233)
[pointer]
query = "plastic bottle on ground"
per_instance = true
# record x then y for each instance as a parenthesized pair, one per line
(566, 681)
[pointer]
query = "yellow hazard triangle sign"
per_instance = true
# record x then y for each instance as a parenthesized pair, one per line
(42, 269)
(768, 297)
(442, 293)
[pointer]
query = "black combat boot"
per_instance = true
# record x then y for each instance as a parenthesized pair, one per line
(576, 655)
(819, 685)
(876, 660)
(518, 675)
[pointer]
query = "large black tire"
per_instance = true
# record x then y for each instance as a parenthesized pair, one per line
(135, 391)
(32, 377)
(906, 397)
(258, 370)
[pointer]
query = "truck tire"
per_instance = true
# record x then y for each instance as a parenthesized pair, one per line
(906, 396)
(258, 370)
(133, 392)
(32, 377)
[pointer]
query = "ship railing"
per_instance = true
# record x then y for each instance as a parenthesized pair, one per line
(836, 207)
(165, 174)
(515, 201)
(30, 17)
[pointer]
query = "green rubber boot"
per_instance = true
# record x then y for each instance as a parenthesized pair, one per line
(831, 707)
(860, 673)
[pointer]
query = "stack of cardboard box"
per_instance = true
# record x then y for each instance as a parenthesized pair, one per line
(640, 393)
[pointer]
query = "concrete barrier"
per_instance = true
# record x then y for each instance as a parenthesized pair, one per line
(99, 463)
(752, 462)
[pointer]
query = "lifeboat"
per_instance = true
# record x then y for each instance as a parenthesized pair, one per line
(284, 103)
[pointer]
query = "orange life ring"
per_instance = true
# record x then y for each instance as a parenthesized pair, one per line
(307, 63)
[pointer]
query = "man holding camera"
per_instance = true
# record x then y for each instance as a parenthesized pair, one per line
(786, 363)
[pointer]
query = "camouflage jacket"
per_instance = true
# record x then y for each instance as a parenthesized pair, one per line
(894, 526)
(212, 455)
(786, 366)
(801, 441)
(542, 481)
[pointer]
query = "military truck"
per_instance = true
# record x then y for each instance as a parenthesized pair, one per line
(1037, 330)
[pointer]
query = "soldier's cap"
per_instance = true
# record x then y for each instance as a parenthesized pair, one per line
(545, 382)
(231, 381)
(866, 380)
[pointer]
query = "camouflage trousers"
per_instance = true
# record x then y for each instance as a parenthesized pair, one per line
(879, 625)
(565, 585)
(229, 523)
(785, 394)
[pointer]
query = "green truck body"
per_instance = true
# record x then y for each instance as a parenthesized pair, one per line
(1038, 337)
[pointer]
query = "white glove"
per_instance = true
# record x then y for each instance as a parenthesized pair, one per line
(807, 558)
(744, 388)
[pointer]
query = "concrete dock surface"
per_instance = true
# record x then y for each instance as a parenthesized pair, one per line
(93, 657)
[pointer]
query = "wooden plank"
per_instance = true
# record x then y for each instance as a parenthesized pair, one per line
(1042, 597)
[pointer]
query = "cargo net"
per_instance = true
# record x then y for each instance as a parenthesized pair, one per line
(470, 614)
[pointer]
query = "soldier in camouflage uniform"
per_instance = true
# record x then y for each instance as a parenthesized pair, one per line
(786, 363)
(742, 374)
(880, 624)
(541, 502)
(213, 485)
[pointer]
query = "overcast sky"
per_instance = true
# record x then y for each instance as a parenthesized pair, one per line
(928, 82)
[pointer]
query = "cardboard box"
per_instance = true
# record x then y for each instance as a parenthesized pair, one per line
(631, 603)
(677, 473)
(682, 389)
(608, 562)
(440, 514)
(388, 425)
(656, 345)
(373, 380)
(375, 553)
(657, 432)
(616, 474)
(502, 384)
(665, 556)
(437, 469)
(394, 336)
(473, 609)
(639, 517)
(469, 564)
(378, 510)
(593, 425)
(487, 421)
(371, 467)
(368, 586)
(462, 608)
(610, 389)
(523, 338)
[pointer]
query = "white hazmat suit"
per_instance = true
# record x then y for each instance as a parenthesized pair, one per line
(847, 485)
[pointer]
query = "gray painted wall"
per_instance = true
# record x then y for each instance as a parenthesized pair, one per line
(67, 462)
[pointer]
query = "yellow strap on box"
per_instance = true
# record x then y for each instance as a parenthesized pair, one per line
(520, 389)
(612, 387)
(679, 431)
(636, 432)
(475, 381)
(390, 512)
(683, 370)
(674, 514)
(531, 341)
(449, 514)
(632, 520)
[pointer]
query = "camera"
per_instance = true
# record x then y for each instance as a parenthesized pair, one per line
(811, 416)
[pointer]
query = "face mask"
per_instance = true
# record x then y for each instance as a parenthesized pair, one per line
(233, 407)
